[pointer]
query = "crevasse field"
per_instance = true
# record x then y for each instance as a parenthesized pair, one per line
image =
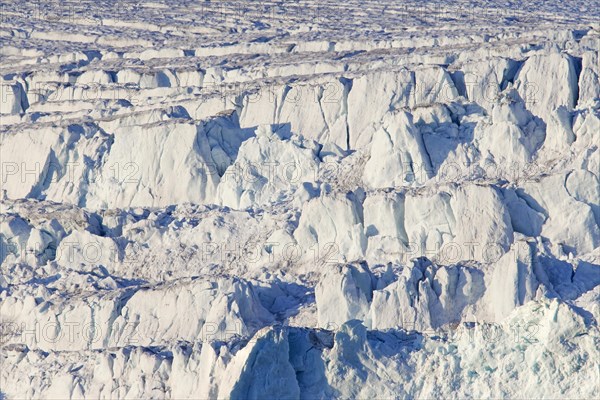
(299, 200)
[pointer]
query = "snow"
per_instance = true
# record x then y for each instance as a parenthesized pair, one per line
(290, 200)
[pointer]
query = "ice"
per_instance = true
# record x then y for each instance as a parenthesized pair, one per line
(443, 224)
(13, 99)
(514, 135)
(568, 221)
(371, 97)
(265, 166)
(330, 229)
(482, 357)
(217, 310)
(384, 227)
(541, 98)
(482, 81)
(262, 369)
(344, 293)
(397, 151)
(515, 280)
(308, 200)
(589, 79)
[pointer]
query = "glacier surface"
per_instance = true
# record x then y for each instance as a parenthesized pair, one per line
(299, 200)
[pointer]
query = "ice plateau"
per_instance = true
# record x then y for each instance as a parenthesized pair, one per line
(299, 200)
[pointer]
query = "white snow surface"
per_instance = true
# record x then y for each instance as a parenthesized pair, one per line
(299, 200)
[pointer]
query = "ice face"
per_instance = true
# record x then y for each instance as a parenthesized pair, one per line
(291, 200)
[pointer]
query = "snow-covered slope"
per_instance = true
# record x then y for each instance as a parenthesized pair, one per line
(285, 200)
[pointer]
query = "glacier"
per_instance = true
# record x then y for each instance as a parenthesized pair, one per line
(299, 200)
